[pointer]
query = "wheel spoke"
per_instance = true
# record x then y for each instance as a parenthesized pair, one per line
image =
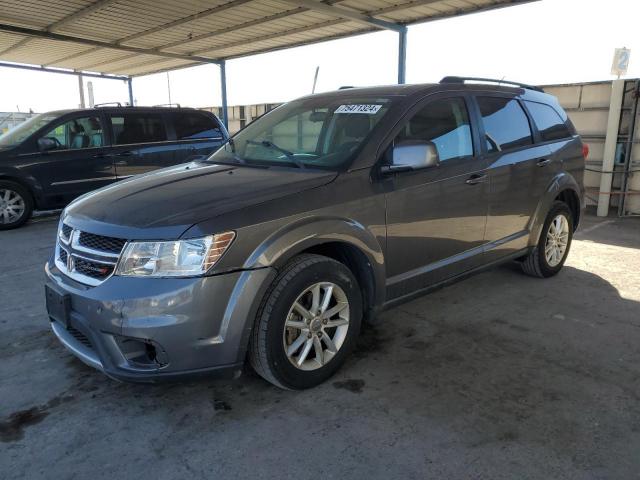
(338, 322)
(328, 293)
(336, 309)
(7, 195)
(315, 299)
(317, 346)
(295, 346)
(329, 343)
(305, 352)
(302, 311)
(296, 324)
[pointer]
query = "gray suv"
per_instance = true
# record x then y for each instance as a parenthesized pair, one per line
(309, 221)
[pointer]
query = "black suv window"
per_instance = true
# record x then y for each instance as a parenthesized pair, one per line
(82, 132)
(137, 128)
(190, 125)
(549, 122)
(446, 124)
(505, 123)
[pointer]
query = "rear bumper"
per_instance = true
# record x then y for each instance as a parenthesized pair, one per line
(150, 330)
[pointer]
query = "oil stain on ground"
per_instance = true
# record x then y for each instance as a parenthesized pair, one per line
(354, 385)
(12, 429)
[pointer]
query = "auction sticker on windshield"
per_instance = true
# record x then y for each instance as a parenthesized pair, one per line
(366, 109)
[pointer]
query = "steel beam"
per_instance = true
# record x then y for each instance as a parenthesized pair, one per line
(351, 15)
(223, 91)
(58, 70)
(402, 56)
(96, 43)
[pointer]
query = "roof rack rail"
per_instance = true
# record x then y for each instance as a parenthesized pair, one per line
(168, 105)
(106, 104)
(453, 79)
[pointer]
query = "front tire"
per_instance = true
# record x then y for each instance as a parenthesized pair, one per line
(549, 255)
(307, 323)
(16, 205)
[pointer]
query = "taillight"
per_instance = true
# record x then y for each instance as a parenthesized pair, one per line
(585, 150)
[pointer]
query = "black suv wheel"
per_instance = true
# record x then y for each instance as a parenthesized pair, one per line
(307, 323)
(16, 205)
(549, 255)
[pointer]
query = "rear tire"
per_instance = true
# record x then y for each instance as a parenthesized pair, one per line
(16, 205)
(307, 323)
(549, 255)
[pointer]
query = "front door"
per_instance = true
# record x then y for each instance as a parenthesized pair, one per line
(77, 162)
(436, 216)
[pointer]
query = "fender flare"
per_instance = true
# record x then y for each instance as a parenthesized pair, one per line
(294, 238)
(561, 182)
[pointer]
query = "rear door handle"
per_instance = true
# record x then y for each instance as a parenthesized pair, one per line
(543, 162)
(476, 178)
(125, 154)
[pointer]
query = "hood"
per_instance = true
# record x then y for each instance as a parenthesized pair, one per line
(165, 203)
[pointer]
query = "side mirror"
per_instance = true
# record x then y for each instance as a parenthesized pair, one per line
(45, 144)
(412, 155)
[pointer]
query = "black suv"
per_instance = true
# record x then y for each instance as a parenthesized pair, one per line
(311, 219)
(54, 157)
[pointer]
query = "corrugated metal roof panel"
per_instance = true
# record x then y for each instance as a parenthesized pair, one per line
(215, 29)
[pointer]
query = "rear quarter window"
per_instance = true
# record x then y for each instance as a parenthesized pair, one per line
(193, 125)
(506, 124)
(550, 124)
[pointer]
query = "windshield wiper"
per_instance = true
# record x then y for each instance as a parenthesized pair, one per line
(290, 156)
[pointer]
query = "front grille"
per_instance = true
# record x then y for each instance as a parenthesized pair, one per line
(96, 270)
(80, 337)
(87, 257)
(66, 231)
(98, 242)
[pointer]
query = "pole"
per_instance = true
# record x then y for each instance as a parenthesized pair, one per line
(610, 143)
(402, 55)
(81, 90)
(169, 88)
(223, 91)
(130, 87)
(315, 80)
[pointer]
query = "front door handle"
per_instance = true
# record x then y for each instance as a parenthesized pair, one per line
(476, 178)
(542, 162)
(125, 154)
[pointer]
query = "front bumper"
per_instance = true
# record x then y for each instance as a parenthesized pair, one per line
(142, 329)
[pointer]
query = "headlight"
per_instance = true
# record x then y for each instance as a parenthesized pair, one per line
(181, 258)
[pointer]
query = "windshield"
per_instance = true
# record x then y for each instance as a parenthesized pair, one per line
(19, 134)
(317, 132)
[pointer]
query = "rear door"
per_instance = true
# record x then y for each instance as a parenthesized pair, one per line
(436, 216)
(518, 171)
(196, 133)
(140, 142)
(79, 163)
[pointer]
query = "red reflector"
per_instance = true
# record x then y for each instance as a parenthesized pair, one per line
(585, 150)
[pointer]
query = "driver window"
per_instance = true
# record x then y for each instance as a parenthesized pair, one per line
(445, 123)
(85, 132)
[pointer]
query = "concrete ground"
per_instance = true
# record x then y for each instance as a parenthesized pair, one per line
(499, 376)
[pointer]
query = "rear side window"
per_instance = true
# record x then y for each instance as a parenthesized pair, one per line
(506, 125)
(549, 122)
(137, 128)
(191, 125)
(445, 123)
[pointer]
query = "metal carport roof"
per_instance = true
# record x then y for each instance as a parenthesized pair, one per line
(139, 37)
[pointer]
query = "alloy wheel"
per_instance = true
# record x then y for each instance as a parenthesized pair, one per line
(316, 326)
(12, 206)
(557, 240)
